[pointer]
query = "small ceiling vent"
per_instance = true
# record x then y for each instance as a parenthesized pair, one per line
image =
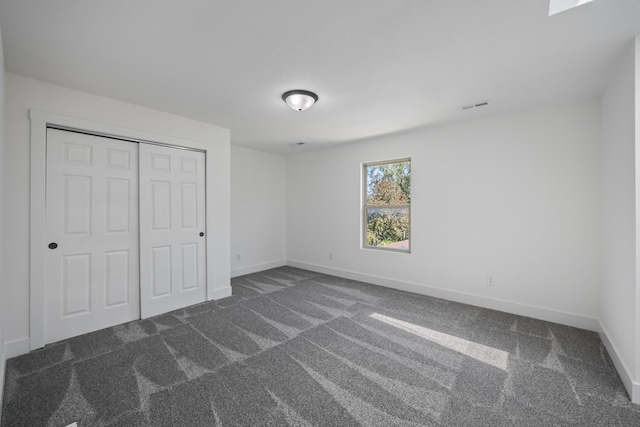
(476, 105)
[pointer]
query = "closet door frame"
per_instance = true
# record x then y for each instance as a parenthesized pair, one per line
(217, 188)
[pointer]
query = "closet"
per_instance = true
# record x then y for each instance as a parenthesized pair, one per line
(125, 231)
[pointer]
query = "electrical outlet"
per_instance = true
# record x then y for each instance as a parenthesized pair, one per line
(330, 256)
(491, 281)
(238, 257)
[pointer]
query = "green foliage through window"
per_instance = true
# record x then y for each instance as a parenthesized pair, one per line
(387, 209)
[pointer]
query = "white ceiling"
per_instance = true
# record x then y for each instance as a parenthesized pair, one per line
(378, 66)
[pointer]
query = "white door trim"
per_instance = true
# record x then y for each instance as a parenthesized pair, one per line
(218, 285)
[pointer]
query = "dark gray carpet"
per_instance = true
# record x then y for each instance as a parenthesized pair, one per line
(292, 347)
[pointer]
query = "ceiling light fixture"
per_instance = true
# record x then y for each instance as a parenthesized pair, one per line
(299, 100)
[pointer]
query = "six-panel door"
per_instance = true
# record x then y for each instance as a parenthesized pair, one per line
(126, 232)
(92, 279)
(172, 229)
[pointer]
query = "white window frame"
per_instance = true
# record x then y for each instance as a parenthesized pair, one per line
(365, 206)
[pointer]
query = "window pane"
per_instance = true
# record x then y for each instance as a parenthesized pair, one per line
(388, 228)
(389, 184)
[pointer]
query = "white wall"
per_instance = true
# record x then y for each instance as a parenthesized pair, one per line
(636, 386)
(2, 275)
(515, 197)
(258, 211)
(23, 94)
(618, 285)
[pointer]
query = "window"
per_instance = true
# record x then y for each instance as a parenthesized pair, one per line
(557, 6)
(387, 205)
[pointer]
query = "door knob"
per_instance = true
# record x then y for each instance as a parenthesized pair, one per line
(201, 234)
(53, 245)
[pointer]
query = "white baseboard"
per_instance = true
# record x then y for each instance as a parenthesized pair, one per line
(633, 388)
(257, 268)
(16, 347)
(220, 293)
(549, 315)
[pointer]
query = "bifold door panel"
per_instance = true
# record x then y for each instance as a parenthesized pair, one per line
(124, 223)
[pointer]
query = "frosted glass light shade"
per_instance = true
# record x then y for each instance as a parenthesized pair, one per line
(300, 100)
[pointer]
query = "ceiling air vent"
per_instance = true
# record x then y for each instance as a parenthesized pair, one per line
(476, 105)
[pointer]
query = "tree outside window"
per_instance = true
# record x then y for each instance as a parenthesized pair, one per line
(387, 205)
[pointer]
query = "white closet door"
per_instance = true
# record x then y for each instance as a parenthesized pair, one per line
(92, 279)
(172, 229)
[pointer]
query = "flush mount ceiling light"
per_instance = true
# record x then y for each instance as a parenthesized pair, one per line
(299, 100)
